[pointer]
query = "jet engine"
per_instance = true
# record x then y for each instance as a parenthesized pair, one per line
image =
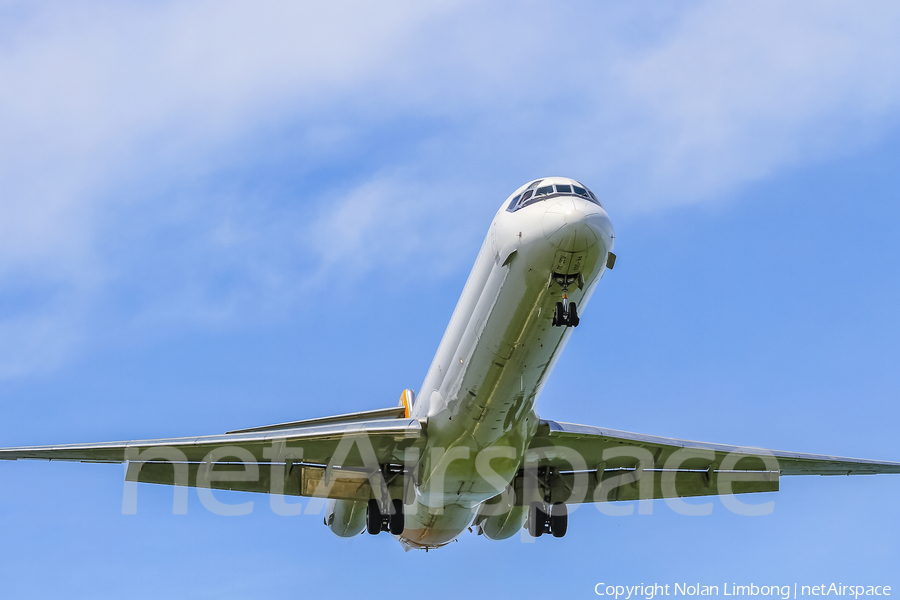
(497, 519)
(346, 518)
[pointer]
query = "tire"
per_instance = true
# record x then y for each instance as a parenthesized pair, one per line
(397, 521)
(373, 517)
(559, 520)
(537, 520)
(559, 315)
(573, 315)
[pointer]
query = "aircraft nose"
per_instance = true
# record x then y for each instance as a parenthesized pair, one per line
(569, 224)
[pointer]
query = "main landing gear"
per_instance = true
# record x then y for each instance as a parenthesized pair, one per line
(376, 521)
(540, 522)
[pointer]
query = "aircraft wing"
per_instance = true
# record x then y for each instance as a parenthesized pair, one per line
(583, 458)
(339, 458)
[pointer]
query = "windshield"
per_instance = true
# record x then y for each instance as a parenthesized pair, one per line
(534, 194)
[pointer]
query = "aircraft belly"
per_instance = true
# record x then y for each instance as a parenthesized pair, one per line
(491, 366)
(508, 361)
(426, 527)
(490, 394)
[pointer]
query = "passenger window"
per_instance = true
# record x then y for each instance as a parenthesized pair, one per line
(542, 191)
(564, 189)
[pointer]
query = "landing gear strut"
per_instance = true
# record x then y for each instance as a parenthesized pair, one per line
(377, 521)
(555, 523)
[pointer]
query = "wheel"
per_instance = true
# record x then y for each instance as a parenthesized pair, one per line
(373, 517)
(573, 315)
(559, 520)
(537, 520)
(559, 315)
(396, 519)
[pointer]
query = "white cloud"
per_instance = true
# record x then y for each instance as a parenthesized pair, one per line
(134, 161)
(739, 90)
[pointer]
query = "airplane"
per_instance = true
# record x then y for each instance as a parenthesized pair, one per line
(468, 450)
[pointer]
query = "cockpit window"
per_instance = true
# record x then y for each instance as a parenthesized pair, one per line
(520, 201)
(532, 195)
(528, 199)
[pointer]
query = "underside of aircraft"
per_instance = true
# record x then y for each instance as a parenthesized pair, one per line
(469, 450)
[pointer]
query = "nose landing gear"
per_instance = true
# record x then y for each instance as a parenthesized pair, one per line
(566, 313)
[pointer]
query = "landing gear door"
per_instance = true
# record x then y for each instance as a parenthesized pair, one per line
(576, 264)
(568, 263)
(561, 262)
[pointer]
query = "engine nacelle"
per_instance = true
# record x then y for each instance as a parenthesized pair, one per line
(346, 518)
(498, 520)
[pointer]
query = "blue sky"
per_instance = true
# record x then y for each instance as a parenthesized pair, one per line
(218, 214)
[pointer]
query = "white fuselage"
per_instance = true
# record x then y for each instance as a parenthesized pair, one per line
(496, 354)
